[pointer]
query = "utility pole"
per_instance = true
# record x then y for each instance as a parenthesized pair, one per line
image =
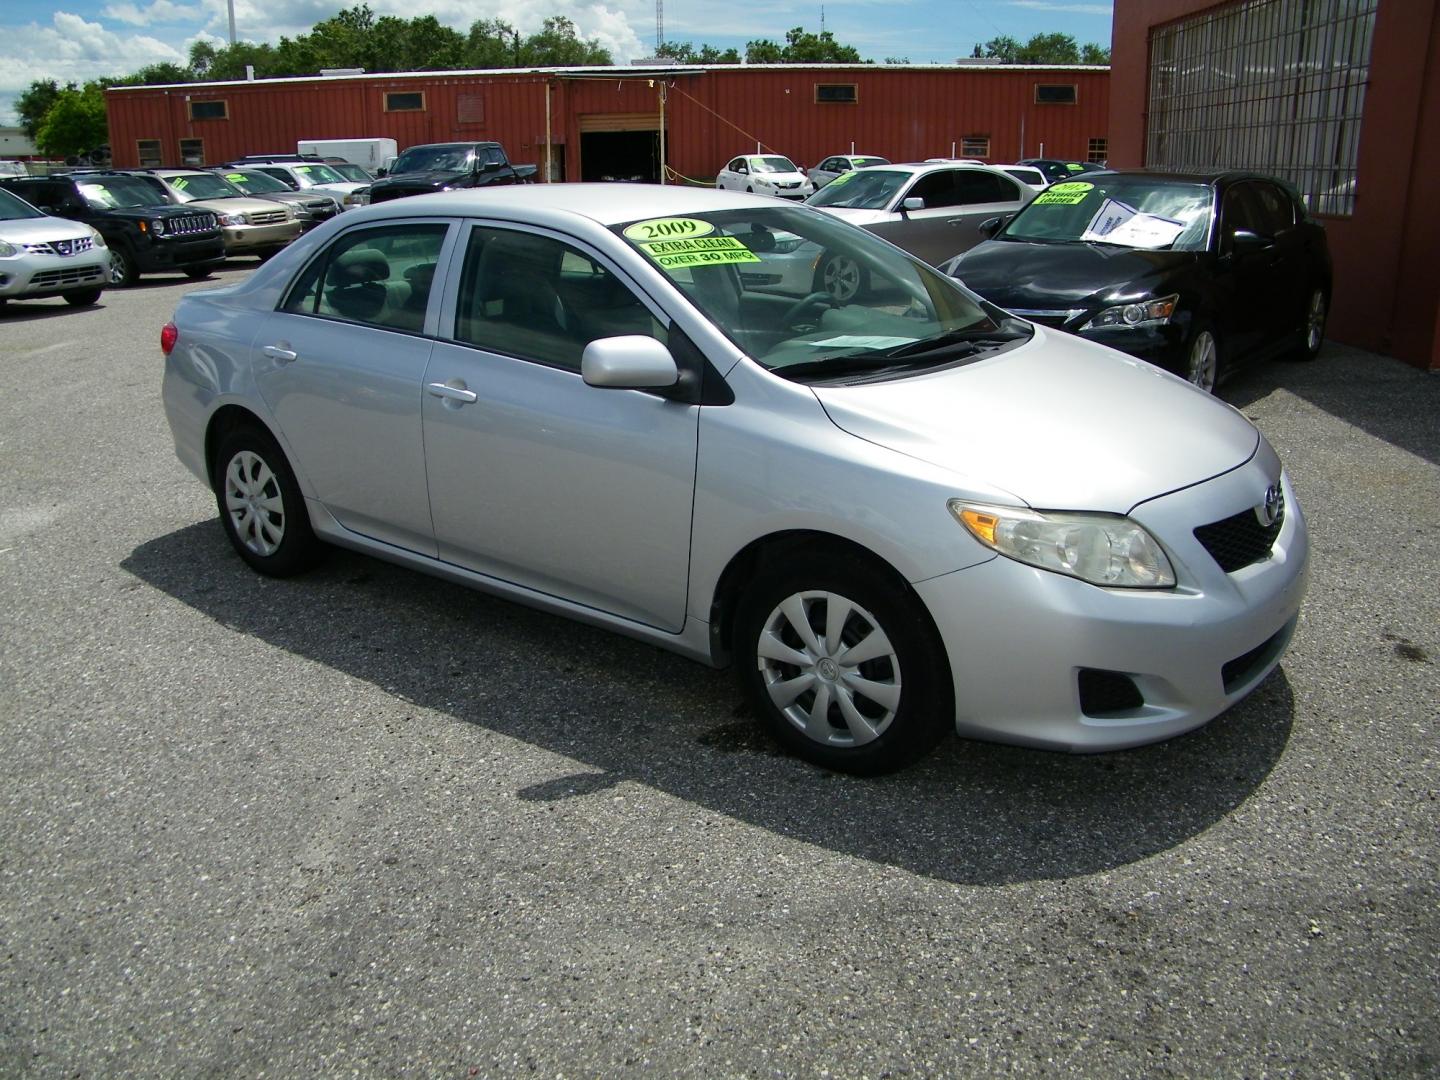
(231, 5)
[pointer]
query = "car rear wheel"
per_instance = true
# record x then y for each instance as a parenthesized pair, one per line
(260, 504)
(123, 271)
(1202, 364)
(82, 299)
(1313, 331)
(842, 665)
(842, 277)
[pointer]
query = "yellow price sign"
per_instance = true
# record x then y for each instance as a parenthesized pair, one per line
(668, 229)
(1070, 193)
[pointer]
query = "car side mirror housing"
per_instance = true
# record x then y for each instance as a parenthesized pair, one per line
(913, 203)
(381, 172)
(990, 226)
(631, 362)
(1244, 241)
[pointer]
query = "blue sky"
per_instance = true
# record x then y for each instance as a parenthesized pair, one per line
(81, 39)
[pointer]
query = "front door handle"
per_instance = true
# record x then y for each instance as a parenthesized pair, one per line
(277, 352)
(452, 393)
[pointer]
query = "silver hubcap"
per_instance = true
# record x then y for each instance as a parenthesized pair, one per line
(1203, 361)
(1315, 321)
(252, 499)
(829, 668)
(117, 268)
(842, 278)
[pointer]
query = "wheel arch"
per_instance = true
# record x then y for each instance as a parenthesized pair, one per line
(225, 420)
(800, 545)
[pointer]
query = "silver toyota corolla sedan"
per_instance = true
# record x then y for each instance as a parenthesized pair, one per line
(895, 517)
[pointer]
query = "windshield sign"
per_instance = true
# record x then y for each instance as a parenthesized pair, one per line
(202, 186)
(1121, 211)
(320, 174)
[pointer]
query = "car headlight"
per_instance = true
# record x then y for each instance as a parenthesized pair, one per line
(1103, 549)
(96, 239)
(350, 200)
(1129, 316)
(157, 226)
(6, 250)
(234, 219)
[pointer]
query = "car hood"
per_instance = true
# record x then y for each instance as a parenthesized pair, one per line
(1013, 274)
(435, 178)
(247, 204)
(781, 177)
(42, 230)
(1061, 423)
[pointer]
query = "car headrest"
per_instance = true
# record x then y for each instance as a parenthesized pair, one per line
(357, 266)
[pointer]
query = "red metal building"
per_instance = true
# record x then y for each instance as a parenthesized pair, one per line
(606, 122)
(1341, 98)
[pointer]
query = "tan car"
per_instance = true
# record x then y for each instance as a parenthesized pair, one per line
(250, 226)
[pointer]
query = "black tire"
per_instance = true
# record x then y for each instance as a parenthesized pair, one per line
(260, 504)
(1312, 323)
(124, 271)
(197, 273)
(82, 299)
(842, 277)
(1193, 361)
(912, 707)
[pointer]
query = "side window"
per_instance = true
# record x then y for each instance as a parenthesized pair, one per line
(540, 299)
(1276, 213)
(937, 189)
(984, 187)
(282, 176)
(380, 277)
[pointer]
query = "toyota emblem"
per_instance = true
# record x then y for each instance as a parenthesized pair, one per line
(1273, 508)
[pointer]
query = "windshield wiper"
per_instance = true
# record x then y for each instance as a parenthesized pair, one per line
(955, 341)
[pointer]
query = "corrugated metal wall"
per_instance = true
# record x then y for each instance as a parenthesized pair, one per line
(903, 113)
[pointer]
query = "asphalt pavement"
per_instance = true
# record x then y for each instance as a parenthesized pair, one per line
(364, 822)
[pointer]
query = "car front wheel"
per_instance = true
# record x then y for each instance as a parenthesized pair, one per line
(842, 277)
(1202, 364)
(82, 299)
(843, 666)
(123, 271)
(260, 504)
(1313, 331)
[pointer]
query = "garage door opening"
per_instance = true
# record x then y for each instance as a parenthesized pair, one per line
(620, 146)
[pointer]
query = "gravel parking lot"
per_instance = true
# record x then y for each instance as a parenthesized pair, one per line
(366, 822)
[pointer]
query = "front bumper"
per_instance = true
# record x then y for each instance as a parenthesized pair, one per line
(34, 276)
(1019, 637)
(246, 239)
(177, 253)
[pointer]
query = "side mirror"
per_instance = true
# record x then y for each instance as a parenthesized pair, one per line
(990, 226)
(489, 166)
(803, 170)
(381, 172)
(1243, 242)
(913, 203)
(632, 362)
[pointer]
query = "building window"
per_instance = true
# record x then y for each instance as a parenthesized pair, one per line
(1055, 94)
(192, 151)
(409, 101)
(209, 110)
(470, 108)
(1099, 151)
(148, 152)
(1270, 85)
(836, 94)
(976, 146)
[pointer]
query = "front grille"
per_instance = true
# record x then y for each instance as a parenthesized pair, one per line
(188, 224)
(61, 247)
(76, 275)
(321, 208)
(268, 217)
(1104, 693)
(1241, 539)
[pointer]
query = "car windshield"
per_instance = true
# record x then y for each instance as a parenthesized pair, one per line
(771, 165)
(319, 174)
(867, 162)
(119, 193)
(255, 183)
(202, 186)
(14, 208)
(434, 159)
(861, 189)
(351, 172)
(765, 276)
(1118, 210)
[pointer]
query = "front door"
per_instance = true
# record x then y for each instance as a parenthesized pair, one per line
(536, 477)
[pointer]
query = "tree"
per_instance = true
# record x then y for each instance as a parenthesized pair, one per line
(74, 123)
(682, 52)
(1092, 53)
(492, 43)
(1003, 48)
(1049, 49)
(802, 47)
(763, 51)
(34, 103)
(557, 45)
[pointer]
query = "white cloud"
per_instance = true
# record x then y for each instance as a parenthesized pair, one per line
(1068, 9)
(159, 11)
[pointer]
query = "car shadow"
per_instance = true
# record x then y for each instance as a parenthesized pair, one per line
(1380, 395)
(972, 812)
(18, 311)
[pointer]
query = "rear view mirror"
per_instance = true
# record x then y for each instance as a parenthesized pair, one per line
(990, 226)
(913, 203)
(1243, 241)
(631, 362)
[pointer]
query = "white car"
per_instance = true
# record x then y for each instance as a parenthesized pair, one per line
(1028, 175)
(765, 174)
(932, 210)
(896, 517)
(832, 167)
(43, 256)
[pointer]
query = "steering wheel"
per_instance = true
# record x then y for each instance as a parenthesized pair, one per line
(804, 304)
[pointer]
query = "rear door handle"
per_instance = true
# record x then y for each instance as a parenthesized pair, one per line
(452, 393)
(276, 352)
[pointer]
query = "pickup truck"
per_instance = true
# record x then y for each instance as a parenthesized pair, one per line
(445, 167)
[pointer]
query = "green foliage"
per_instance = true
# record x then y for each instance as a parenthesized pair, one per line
(1042, 49)
(74, 123)
(34, 103)
(802, 47)
(1091, 53)
(683, 52)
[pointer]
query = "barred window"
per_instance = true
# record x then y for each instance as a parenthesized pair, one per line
(192, 151)
(1277, 86)
(148, 151)
(1099, 151)
(976, 146)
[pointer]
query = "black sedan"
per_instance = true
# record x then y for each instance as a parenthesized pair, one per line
(1194, 273)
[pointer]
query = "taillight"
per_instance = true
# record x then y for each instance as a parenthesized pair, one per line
(169, 334)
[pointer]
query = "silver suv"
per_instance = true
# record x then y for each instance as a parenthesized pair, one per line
(42, 256)
(311, 176)
(250, 226)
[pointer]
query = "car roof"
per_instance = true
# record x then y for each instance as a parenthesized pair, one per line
(604, 204)
(920, 168)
